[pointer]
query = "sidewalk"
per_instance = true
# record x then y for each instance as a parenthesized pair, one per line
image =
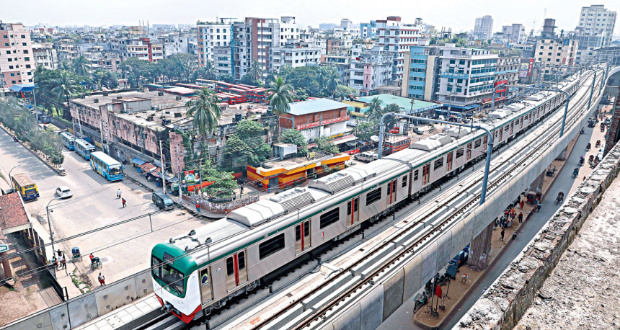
(461, 287)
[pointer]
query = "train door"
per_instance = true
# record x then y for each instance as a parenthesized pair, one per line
(501, 133)
(236, 271)
(521, 122)
(468, 152)
(353, 214)
(512, 128)
(449, 162)
(426, 172)
(302, 236)
(391, 191)
(206, 291)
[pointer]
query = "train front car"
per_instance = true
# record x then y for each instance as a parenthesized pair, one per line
(175, 281)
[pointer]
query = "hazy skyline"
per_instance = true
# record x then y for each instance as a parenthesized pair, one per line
(457, 14)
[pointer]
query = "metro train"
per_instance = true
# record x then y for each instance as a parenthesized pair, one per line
(196, 273)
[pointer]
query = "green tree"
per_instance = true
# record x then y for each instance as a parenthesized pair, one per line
(227, 78)
(295, 137)
(64, 86)
(80, 66)
(206, 112)
(301, 94)
(223, 184)
(255, 73)
(343, 91)
(374, 107)
(366, 129)
(236, 154)
(246, 146)
(281, 97)
(253, 133)
(326, 145)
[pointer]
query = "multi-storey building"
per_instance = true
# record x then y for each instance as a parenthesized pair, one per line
(45, 55)
(466, 76)
(66, 50)
(395, 36)
(142, 49)
(211, 35)
(370, 70)
(514, 32)
(16, 57)
(556, 54)
(223, 60)
(421, 72)
(483, 28)
(368, 30)
(596, 26)
(316, 118)
(294, 55)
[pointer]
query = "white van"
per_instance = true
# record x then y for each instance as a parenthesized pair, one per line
(366, 156)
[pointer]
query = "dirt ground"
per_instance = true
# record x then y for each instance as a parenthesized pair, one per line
(31, 292)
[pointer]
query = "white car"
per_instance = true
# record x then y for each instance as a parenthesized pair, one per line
(63, 192)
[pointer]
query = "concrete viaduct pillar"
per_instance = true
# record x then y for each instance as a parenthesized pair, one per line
(480, 249)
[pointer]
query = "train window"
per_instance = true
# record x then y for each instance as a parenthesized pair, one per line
(230, 268)
(506, 128)
(404, 181)
(329, 218)
(156, 266)
(241, 257)
(415, 175)
(356, 207)
(270, 246)
(297, 233)
(459, 152)
(477, 143)
(438, 163)
(373, 196)
(389, 188)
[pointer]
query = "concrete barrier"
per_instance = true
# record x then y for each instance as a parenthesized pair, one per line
(89, 306)
(506, 301)
(393, 290)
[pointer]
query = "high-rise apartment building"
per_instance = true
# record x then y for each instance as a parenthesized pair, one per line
(483, 29)
(395, 36)
(556, 54)
(514, 32)
(16, 57)
(596, 26)
(212, 36)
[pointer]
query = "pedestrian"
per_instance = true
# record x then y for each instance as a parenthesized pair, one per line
(241, 189)
(59, 253)
(63, 262)
(124, 202)
(584, 178)
(520, 217)
(538, 206)
(118, 193)
(513, 214)
(521, 204)
(101, 279)
(502, 235)
(197, 207)
(55, 262)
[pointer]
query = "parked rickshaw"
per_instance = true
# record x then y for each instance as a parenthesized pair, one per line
(77, 256)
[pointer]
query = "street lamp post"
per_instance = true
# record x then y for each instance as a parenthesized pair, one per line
(49, 223)
(485, 179)
(11, 170)
(539, 89)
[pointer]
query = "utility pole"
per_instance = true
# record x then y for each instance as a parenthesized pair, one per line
(163, 167)
(179, 175)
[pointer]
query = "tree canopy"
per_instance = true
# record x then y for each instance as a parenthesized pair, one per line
(295, 137)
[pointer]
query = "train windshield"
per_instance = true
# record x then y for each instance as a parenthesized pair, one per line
(172, 278)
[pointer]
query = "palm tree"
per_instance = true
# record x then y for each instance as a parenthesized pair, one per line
(256, 72)
(375, 106)
(65, 86)
(282, 95)
(206, 112)
(80, 66)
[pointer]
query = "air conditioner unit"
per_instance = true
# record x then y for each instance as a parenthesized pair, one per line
(96, 101)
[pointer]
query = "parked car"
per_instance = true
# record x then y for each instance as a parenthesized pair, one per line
(418, 131)
(63, 192)
(162, 201)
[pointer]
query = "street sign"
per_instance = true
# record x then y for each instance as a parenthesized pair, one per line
(3, 248)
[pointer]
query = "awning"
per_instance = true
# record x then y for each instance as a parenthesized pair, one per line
(22, 88)
(344, 139)
(137, 161)
(147, 167)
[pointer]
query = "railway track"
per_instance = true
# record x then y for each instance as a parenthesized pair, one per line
(499, 175)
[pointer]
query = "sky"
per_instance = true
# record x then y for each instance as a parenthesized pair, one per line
(457, 14)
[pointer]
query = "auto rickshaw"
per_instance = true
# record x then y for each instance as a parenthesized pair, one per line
(77, 256)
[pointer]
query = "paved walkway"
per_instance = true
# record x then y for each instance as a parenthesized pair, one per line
(403, 317)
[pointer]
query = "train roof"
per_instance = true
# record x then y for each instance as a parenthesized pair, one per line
(431, 143)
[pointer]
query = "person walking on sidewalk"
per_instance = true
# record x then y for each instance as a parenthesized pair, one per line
(538, 206)
(59, 253)
(118, 193)
(520, 217)
(101, 279)
(521, 204)
(198, 207)
(502, 235)
(124, 202)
